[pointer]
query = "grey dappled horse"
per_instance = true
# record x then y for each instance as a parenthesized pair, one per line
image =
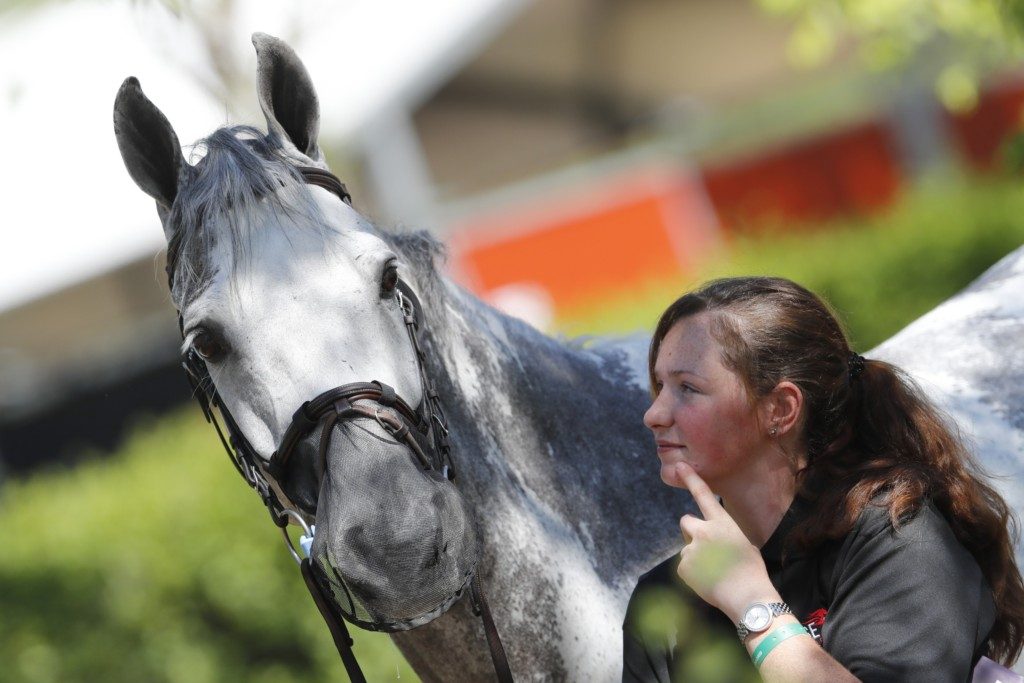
(968, 356)
(555, 468)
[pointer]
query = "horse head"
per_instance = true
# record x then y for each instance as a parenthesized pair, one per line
(299, 320)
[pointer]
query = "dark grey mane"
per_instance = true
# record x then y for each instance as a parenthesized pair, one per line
(422, 252)
(241, 167)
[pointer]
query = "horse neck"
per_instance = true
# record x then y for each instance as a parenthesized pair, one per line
(561, 479)
(552, 430)
(505, 372)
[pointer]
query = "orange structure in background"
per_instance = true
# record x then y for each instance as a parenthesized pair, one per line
(607, 234)
(852, 171)
(582, 244)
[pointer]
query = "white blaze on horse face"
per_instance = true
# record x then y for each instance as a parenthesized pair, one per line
(302, 312)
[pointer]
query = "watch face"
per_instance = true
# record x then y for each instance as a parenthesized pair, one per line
(757, 617)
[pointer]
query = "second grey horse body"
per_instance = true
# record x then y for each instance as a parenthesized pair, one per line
(968, 356)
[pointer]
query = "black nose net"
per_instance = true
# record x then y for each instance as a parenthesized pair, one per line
(393, 540)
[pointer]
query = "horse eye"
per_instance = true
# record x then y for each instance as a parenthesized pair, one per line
(208, 346)
(389, 280)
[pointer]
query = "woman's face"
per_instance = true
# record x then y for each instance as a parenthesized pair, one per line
(701, 414)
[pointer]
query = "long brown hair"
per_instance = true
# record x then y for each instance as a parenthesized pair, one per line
(868, 429)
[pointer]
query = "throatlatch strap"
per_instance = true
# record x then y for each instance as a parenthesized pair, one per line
(498, 657)
(335, 623)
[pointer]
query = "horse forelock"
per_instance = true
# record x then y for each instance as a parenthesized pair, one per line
(241, 171)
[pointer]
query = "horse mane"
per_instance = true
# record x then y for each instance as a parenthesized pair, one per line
(240, 168)
(422, 251)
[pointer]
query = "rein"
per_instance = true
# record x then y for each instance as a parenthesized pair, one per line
(422, 430)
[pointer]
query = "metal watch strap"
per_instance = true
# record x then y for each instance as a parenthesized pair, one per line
(777, 608)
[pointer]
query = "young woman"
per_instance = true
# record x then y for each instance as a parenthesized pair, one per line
(854, 537)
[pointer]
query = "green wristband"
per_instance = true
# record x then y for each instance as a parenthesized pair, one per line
(778, 635)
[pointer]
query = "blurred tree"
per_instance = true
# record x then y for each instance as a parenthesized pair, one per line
(213, 55)
(221, 59)
(962, 38)
(11, 6)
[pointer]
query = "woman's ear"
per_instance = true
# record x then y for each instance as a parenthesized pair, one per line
(783, 407)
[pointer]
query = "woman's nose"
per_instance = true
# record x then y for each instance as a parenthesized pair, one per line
(657, 415)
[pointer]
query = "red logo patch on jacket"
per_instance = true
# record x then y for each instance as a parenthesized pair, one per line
(814, 621)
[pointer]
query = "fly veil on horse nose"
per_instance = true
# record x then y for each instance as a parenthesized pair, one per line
(382, 429)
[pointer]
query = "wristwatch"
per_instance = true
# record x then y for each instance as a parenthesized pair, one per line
(759, 616)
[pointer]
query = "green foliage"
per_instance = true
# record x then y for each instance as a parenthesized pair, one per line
(702, 655)
(159, 564)
(714, 660)
(1012, 154)
(661, 610)
(879, 273)
(889, 33)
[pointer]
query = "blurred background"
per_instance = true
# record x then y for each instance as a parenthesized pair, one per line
(584, 160)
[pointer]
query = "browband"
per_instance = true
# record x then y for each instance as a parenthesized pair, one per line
(327, 180)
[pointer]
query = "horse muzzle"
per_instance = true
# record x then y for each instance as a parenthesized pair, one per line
(394, 542)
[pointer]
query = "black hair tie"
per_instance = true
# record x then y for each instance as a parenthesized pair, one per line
(856, 363)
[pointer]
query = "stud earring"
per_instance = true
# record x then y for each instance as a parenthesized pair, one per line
(773, 431)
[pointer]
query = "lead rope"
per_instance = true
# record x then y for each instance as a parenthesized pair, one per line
(498, 657)
(343, 641)
(335, 623)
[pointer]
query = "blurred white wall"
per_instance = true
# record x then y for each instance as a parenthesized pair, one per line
(70, 210)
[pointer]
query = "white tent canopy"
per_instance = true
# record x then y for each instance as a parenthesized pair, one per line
(70, 210)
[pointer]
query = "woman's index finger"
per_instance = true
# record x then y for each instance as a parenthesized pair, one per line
(706, 500)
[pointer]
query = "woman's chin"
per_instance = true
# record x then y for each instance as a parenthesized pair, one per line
(669, 476)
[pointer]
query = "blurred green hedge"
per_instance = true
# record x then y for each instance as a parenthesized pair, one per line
(158, 564)
(880, 273)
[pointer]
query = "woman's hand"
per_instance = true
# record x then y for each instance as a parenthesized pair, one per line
(718, 561)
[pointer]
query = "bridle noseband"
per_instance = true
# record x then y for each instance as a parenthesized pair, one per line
(423, 430)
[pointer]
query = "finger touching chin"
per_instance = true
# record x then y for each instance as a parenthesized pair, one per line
(670, 475)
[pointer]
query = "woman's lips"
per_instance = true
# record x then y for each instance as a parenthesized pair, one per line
(667, 446)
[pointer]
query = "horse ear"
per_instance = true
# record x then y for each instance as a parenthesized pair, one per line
(148, 145)
(287, 95)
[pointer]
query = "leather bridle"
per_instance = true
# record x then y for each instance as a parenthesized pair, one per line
(423, 430)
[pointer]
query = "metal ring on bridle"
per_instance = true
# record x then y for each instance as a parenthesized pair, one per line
(288, 512)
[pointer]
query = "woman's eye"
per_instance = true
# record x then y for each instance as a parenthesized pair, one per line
(207, 346)
(389, 280)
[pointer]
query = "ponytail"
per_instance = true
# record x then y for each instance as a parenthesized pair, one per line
(901, 445)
